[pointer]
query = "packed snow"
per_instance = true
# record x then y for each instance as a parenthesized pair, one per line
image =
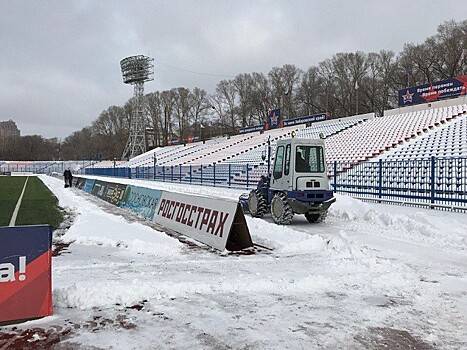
(371, 274)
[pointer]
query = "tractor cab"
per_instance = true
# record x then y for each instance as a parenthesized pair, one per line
(299, 166)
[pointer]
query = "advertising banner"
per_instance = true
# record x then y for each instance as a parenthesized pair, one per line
(25, 272)
(248, 129)
(78, 182)
(439, 90)
(274, 120)
(88, 185)
(142, 201)
(99, 189)
(114, 193)
(216, 222)
(306, 119)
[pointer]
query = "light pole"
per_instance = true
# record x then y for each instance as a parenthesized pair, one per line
(221, 122)
(408, 72)
(268, 151)
(201, 127)
(356, 97)
(463, 60)
(269, 154)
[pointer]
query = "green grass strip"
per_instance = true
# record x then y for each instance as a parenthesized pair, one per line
(39, 206)
(10, 190)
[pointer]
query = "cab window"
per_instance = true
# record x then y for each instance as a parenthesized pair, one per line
(277, 173)
(309, 159)
(287, 160)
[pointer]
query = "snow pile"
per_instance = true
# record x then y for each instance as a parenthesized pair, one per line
(418, 224)
(87, 295)
(115, 231)
(288, 241)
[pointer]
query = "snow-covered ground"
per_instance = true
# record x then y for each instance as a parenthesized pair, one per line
(371, 275)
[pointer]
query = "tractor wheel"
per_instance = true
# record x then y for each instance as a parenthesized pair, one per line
(281, 211)
(316, 217)
(257, 204)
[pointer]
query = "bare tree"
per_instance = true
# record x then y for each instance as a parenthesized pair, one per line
(198, 107)
(308, 93)
(153, 104)
(226, 95)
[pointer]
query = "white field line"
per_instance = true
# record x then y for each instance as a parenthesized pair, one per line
(18, 204)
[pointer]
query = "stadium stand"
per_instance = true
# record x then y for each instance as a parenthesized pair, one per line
(449, 140)
(378, 135)
(238, 149)
(436, 156)
(367, 140)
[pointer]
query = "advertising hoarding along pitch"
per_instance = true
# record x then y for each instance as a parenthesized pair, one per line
(88, 185)
(219, 223)
(142, 201)
(99, 189)
(25, 272)
(78, 182)
(114, 193)
(449, 88)
(216, 222)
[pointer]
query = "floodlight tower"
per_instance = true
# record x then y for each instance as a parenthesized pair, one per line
(136, 70)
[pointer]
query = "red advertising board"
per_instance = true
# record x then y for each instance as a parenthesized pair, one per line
(25, 273)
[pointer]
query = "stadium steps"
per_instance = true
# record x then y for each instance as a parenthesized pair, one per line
(416, 136)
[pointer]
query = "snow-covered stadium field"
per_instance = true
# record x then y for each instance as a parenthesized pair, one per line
(372, 276)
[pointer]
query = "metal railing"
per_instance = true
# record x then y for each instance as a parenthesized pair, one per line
(43, 167)
(432, 182)
(224, 175)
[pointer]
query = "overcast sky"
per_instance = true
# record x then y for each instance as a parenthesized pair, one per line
(59, 60)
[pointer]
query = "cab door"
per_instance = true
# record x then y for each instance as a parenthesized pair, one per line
(282, 171)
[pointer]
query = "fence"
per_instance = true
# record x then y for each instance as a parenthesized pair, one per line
(44, 167)
(224, 175)
(433, 182)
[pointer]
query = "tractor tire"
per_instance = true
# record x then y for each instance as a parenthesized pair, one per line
(281, 212)
(257, 204)
(316, 217)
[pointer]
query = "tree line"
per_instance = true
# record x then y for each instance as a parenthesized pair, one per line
(342, 85)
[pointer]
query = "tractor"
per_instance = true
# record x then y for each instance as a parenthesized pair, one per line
(298, 185)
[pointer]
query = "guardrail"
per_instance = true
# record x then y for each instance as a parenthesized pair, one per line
(44, 167)
(224, 175)
(438, 182)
